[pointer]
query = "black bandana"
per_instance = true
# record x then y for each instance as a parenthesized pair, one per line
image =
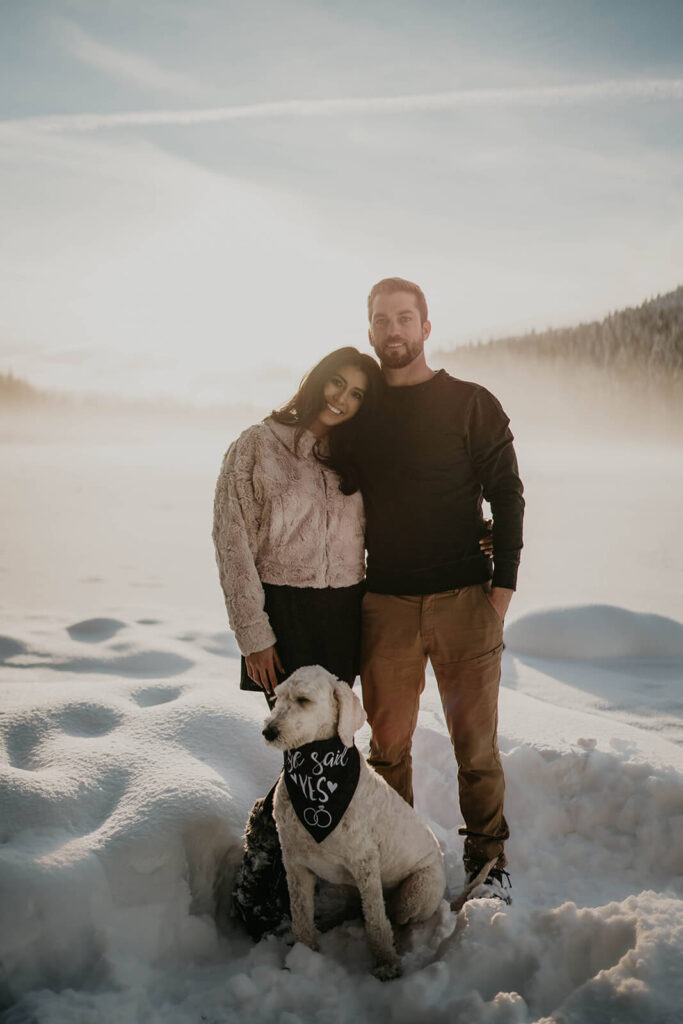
(321, 778)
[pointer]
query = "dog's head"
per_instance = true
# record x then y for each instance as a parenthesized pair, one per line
(312, 705)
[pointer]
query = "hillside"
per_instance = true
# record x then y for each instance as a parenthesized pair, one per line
(15, 389)
(644, 341)
(624, 372)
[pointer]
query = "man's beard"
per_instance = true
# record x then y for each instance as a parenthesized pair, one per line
(397, 358)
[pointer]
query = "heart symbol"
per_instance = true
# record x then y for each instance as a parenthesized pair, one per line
(332, 786)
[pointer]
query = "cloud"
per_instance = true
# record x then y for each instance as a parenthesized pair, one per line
(162, 270)
(127, 66)
(626, 90)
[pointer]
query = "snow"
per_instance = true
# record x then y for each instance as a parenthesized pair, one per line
(129, 760)
(596, 631)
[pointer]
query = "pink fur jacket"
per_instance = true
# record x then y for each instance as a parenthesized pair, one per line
(280, 518)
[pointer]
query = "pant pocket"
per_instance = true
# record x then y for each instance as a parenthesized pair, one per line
(485, 590)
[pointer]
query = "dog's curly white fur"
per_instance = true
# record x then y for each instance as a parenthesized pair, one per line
(379, 845)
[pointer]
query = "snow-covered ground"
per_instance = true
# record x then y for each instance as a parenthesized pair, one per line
(129, 757)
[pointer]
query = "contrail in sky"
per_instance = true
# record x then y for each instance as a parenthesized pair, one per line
(654, 89)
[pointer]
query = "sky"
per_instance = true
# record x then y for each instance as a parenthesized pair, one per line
(196, 198)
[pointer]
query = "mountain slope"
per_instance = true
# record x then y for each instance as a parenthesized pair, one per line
(642, 340)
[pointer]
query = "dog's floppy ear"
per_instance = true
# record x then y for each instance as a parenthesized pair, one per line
(351, 713)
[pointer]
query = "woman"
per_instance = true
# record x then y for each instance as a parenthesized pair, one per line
(289, 538)
(289, 525)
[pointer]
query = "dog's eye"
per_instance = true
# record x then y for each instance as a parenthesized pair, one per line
(302, 700)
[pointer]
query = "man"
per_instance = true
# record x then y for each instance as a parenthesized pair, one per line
(434, 449)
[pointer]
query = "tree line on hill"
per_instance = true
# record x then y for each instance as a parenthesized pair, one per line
(642, 344)
(645, 340)
(15, 389)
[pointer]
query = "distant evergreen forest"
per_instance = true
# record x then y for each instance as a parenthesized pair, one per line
(645, 342)
(14, 389)
(642, 345)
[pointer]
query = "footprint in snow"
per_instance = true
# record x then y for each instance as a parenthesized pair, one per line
(153, 695)
(95, 631)
(9, 647)
(87, 719)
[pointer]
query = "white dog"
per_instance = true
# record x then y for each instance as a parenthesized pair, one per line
(379, 843)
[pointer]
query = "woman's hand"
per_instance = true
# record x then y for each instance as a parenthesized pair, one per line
(262, 668)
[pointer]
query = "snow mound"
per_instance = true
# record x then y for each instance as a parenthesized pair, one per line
(119, 804)
(123, 798)
(117, 807)
(593, 632)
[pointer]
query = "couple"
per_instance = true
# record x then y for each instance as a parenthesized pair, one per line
(396, 462)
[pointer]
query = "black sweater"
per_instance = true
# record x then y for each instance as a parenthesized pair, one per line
(429, 455)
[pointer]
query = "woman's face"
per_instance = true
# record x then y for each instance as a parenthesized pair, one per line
(344, 394)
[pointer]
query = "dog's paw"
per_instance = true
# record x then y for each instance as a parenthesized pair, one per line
(387, 972)
(310, 940)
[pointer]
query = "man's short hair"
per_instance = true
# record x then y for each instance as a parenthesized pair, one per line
(389, 285)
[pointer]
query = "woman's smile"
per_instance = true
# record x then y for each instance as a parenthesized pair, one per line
(343, 396)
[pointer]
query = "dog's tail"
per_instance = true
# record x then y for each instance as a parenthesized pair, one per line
(460, 901)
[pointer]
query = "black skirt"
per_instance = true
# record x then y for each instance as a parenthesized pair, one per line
(314, 627)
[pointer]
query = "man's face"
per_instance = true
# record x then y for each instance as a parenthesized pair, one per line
(396, 332)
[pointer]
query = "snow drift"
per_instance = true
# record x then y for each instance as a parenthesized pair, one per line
(595, 631)
(130, 760)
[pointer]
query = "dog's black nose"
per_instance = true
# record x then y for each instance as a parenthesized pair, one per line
(270, 733)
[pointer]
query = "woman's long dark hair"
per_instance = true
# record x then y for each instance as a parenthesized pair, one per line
(303, 408)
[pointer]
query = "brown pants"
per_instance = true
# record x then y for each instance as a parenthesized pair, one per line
(462, 635)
